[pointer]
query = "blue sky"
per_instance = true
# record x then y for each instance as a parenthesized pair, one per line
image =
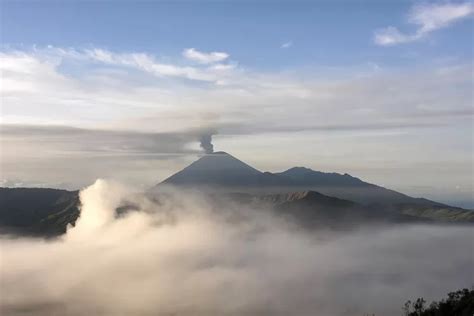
(378, 89)
(321, 33)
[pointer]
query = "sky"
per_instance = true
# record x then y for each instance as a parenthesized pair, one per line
(382, 90)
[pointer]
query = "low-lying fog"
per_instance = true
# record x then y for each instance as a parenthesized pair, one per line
(177, 257)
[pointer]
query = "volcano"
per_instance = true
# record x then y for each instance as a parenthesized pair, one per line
(221, 169)
(318, 193)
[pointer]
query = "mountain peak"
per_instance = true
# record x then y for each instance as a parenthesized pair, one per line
(299, 169)
(220, 161)
(219, 168)
(297, 172)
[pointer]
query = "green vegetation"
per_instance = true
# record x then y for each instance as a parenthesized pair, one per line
(438, 213)
(459, 303)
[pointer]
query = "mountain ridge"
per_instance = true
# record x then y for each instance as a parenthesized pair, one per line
(224, 172)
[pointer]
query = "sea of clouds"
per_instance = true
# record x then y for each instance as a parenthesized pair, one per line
(178, 255)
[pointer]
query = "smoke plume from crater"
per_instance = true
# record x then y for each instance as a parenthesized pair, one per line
(206, 143)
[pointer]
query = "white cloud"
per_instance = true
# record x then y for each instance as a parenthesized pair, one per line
(137, 60)
(32, 83)
(148, 63)
(204, 58)
(392, 36)
(287, 44)
(428, 18)
(434, 16)
(223, 67)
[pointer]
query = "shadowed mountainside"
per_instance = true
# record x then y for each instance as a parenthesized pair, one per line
(340, 200)
(37, 211)
(312, 209)
(223, 173)
(346, 186)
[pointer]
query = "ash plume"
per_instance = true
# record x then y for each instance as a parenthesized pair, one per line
(206, 143)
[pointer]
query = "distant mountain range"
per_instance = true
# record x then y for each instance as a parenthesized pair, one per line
(222, 171)
(310, 198)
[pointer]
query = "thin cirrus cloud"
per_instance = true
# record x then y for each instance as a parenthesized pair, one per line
(148, 64)
(204, 58)
(210, 70)
(428, 18)
(286, 44)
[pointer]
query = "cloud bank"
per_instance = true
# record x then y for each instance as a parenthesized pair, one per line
(179, 255)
